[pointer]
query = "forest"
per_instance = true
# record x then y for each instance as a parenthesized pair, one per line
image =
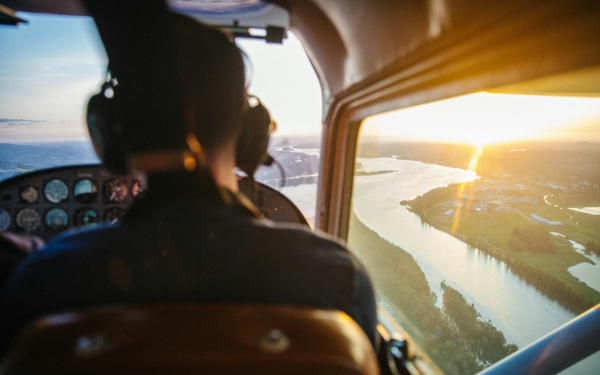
(457, 339)
(533, 238)
(424, 202)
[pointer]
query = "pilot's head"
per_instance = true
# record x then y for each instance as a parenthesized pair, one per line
(211, 70)
(211, 79)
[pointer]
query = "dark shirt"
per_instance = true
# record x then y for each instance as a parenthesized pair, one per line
(10, 257)
(187, 249)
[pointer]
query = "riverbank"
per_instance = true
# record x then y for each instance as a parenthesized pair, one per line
(491, 232)
(455, 336)
(519, 310)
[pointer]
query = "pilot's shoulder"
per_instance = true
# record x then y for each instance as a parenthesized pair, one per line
(70, 251)
(300, 236)
(77, 240)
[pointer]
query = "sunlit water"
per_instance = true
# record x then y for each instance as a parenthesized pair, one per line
(586, 272)
(519, 310)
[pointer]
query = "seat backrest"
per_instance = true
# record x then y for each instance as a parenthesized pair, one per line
(193, 338)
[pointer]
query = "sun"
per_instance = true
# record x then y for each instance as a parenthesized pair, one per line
(485, 118)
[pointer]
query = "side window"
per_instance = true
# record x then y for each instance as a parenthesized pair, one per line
(284, 79)
(478, 217)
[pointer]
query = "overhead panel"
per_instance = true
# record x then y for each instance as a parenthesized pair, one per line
(243, 18)
(8, 17)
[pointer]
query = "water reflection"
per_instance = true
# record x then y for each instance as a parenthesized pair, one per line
(513, 306)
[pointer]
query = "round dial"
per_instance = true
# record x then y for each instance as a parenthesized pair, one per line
(85, 191)
(56, 191)
(113, 214)
(4, 220)
(28, 219)
(87, 217)
(114, 191)
(29, 194)
(137, 189)
(56, 219)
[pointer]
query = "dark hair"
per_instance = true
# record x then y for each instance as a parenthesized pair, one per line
(211, 71)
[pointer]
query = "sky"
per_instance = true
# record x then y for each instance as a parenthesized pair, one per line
(286, 83)
(52, 65)
(49, 69)
(489, 118)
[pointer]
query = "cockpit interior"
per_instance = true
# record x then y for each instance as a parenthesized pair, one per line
(453, 145)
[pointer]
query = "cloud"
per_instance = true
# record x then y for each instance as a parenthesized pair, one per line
(67, 121)
(10, 122)
(13, 120)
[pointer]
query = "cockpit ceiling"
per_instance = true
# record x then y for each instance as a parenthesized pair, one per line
(377, 39)
(249, 13)
(246, 13)
(64, 7)
(357, 43)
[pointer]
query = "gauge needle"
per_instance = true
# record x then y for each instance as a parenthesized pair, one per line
(113, 195)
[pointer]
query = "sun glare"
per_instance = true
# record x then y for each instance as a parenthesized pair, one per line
(485, 118)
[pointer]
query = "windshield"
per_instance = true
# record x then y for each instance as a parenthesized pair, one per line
(52, 65)
(49, 69)
(286, 82)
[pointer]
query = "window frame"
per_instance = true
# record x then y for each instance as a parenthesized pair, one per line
(529, 44)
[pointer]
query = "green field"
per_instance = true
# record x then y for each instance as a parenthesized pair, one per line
(494, 229)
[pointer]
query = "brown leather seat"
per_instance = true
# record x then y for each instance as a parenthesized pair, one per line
(193, 338)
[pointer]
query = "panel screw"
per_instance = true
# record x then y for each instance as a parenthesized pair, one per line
(91, 346)
(273, 341)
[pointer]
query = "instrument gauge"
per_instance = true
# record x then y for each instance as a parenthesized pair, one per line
(114, 191)
(4, 219)
(29, 194)
(56, 191)
(138, 190)
(113, 214)
(85, 191)
(28, 219)
(56, 219)
(87, 217)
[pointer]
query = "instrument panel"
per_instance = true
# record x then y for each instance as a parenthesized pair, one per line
(47, 202)
(50, 201)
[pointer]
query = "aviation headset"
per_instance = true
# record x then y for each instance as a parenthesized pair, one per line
(106, 132)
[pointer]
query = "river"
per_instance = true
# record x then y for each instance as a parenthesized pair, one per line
(589, 273)
(519, 310)
(586, 272)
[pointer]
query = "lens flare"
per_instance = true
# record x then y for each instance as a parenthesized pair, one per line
(461, 191)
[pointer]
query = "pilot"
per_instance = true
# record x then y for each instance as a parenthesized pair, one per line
(186, 242)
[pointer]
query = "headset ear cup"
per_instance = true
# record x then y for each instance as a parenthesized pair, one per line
(96, 123)
(105, 130)
(254, 139)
